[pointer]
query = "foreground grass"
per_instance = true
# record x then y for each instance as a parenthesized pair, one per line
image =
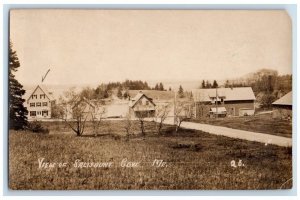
(195, 160)
(257, 123)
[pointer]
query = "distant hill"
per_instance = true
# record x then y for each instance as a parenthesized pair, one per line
(253, 76)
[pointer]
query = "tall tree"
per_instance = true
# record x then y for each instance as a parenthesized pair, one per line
(17, 111)
(161, 86)
(180, 92)
(203, 84)
(74, 107)
(119, 93)
(215, 84)
(227, 84)
(208, 84)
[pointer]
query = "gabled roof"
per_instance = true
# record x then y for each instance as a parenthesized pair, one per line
(80, 100)
(229, 94)
(45, 90)
(156, 95)
(139, 95)
(285, 100)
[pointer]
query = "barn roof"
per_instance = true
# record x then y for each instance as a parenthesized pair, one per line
(285, 100)
(230, 94)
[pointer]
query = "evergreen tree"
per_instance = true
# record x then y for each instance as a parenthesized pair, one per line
(17, 111)
(156, 87)
(125, 95)
(203, 84)
(227, 85)
(161, 87)
(119, 93)
(180, 92)
(208, 84)
(215, 84)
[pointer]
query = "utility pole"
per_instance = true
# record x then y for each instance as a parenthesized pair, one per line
(174, 106)
(216, 102)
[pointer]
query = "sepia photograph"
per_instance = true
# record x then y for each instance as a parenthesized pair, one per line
(108, 99)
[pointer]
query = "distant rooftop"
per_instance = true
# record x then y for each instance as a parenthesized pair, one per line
(285, 100)
(229, 94)
(155, 95)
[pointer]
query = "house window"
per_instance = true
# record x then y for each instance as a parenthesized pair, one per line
(32, 113)
(32, 104)
(45, 113)
(45, 104)
(34, 96)
(38, 104)
(147, 103)
(42, 96)
(38, 112)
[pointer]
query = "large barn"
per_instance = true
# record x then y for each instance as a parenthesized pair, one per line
(223, 102)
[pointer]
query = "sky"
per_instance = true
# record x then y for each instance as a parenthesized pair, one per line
(94, 46)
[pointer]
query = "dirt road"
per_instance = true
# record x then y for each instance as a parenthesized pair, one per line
(236, 133)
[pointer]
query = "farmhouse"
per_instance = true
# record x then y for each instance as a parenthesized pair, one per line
(223, 102)
(282, 108)
(141, 106)
(39, 103)
(85, 109)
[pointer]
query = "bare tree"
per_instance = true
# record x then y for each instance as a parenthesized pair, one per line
(97, 114)
(74, 114)
(141, 118)
(128, 126)
(182, 112)
(161, 114)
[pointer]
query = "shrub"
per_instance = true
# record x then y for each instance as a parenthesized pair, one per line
(187, 145)
(37, 127)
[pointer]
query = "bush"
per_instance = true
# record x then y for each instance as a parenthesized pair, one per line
(37, 127)
(187, 145)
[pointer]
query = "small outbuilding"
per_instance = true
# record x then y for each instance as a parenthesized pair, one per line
(282, 108)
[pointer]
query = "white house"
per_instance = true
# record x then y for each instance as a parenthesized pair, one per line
(141, 105)
(39, 103)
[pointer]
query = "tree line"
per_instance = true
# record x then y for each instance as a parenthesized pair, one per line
(121, 89)
(266, 87)
(208, 84)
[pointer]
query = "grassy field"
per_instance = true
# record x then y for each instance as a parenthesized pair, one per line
(195, 160)
(258, 123)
